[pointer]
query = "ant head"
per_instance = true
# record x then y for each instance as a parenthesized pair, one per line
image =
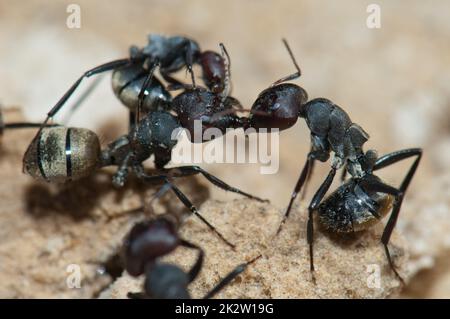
(59, 154)
(278, 107)
(200, 109)
(166, 281)
(148, 241)
(214, 71)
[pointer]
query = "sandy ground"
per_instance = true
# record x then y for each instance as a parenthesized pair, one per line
(392, 81)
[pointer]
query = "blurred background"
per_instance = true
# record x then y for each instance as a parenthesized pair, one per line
(392, 80)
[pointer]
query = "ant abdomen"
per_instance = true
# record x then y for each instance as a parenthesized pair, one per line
(127, 83)
(60, 154)
(278, 107)
(352, 209)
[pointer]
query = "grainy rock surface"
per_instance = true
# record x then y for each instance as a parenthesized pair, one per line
(343, 266)
(426, 227)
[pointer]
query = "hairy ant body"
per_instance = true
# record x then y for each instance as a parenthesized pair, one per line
(364, 198)
(146, 243)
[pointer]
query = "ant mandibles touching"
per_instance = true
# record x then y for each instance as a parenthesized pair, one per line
(364, 198)
(147, 242)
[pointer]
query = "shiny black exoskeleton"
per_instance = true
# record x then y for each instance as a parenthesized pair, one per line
(64, 154)
(135, 83)
(146, 243)
(364, 198)
(68, 154)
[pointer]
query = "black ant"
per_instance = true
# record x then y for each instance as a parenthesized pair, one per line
(134, 82)
(146, 243)
(364, 199)
(64, 154)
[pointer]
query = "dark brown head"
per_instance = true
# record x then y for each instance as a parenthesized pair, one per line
(148, 241)
(278, 107)
(214, 71)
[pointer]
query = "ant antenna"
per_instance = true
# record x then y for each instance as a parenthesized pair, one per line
(293, 75)
(227, 62)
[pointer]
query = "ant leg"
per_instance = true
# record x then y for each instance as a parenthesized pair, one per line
(175, 84)
(394, 157)
(194, 211)
(99, 69)
(301, 180)
(344, 174)
(19, 125)
(390, 159)
(132, 114)
(137, 295)
(195, 270)
(387, 160)
(182, 171)
(189, 57)
(142, 95)
(318, 196)
(76, 105)
(308, 178)
(187, 203)
(380, 187)
(121, 175)
(229, 278)
(227, 83)
(131, 120)
(292, 76)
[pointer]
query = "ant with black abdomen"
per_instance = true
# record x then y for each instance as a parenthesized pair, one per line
(361, 201)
